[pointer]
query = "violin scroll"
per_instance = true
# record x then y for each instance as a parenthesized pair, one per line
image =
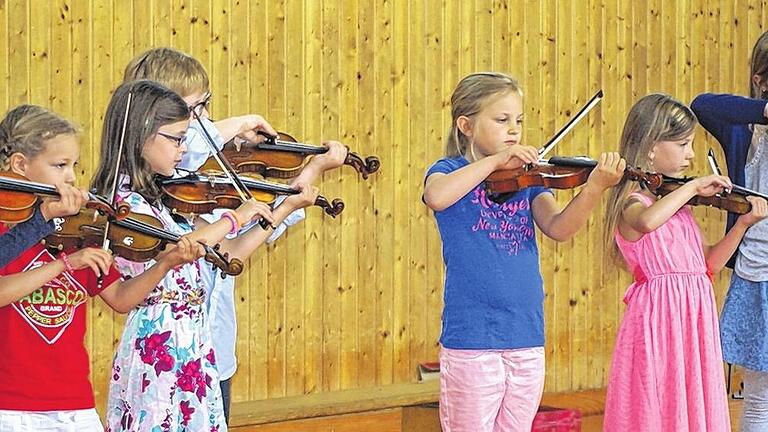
(332, 209)
(120, 212)
(365, 168)
(652, 181)
(228, 267)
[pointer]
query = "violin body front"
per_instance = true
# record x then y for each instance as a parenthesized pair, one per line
(16, 206)
(202, 193)
(555, 173)
(19, 198)
(545, 175)
(282, 158)
(86, 229)
(734, 201)
(136, 237)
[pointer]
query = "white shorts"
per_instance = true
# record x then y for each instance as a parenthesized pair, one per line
(86, 420)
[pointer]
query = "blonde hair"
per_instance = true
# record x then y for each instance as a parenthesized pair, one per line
(172, 68)
(759, 66)
(656, 117)
(473, 93)
(26, 128)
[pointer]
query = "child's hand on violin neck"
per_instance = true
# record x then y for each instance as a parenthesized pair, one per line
(333, 158)
(306, 198)
(759, 211)
(252, 209)
(69, 203)
(516, 156)
(249, 128)
(97, 259)
(186, 251)
(711, 185)
(608, 172)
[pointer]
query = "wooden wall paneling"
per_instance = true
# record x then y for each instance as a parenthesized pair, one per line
(349, 222)
(560, 91)
(384, 70)
(435, 124)
(331, 278)
(294, 240)
(367, 230)
(417, 157)
(401, 223)
(276, 267)
(313, 238)
(581, 281)
(256, 27)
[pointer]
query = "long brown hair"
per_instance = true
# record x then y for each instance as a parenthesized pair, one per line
(656, 117)
(152, 106)
(759, 67)
(26, 128)
(473, 93)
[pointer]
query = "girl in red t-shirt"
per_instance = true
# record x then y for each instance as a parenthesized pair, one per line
(44, 368)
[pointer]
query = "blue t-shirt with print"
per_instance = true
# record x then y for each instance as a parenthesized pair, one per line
(493, 288)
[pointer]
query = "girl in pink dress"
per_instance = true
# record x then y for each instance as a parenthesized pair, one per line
(667, 372)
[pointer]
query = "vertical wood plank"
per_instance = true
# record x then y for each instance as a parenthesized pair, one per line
(315, 313)
(330, 62)
(367, 229)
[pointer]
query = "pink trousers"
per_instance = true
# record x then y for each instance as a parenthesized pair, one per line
(490, 391)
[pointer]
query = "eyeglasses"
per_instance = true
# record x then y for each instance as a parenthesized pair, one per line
(180, 140)
(199, 107)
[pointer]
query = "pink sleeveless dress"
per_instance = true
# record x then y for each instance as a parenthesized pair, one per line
(667, 368)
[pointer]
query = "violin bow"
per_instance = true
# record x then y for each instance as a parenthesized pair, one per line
(713, 162)
(555, 140)
(113, 193)
(736, 188)
(229, 171)
(105, 243)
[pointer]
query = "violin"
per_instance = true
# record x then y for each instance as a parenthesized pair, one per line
(202, 193)
(19, 197)
(555, 173)
(734, 201)
(136, 237)
(283, 157)
(567, 173)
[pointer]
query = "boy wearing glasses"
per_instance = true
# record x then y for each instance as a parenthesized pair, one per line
(186, 76)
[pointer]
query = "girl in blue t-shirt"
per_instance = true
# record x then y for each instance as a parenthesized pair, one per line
(492, 356)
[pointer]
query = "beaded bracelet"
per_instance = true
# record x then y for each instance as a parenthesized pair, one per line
(67, 264)
(232, 220)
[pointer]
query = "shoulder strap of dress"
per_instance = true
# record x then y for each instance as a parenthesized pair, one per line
(642, 197)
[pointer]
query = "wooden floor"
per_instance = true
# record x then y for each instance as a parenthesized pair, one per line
(595, 423)
(371, 415)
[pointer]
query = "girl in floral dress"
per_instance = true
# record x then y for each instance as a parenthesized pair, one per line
(164, 374)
